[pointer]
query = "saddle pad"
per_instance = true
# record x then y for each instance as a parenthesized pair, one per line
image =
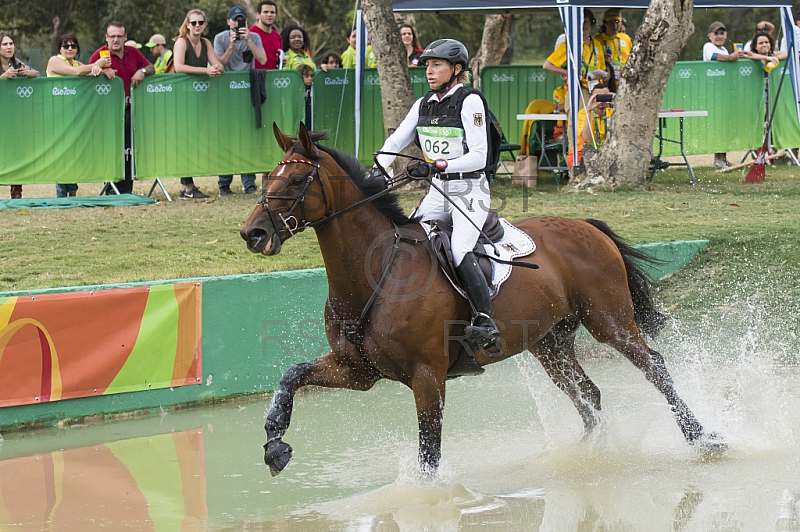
(514, 244)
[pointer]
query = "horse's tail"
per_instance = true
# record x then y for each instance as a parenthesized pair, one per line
(647, 318)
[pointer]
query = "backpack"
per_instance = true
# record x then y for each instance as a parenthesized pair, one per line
(493, 131)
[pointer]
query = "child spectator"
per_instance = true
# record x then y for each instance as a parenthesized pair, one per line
(714, 50)
(308, 78)
(349, 55)
(330, 60)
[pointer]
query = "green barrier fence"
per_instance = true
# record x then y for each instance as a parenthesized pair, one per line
(334, 108)
(187, 125)
(62, 129)
(785, 130)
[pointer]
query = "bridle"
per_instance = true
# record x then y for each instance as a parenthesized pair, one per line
(290, 223)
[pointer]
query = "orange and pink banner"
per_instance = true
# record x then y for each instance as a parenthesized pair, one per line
(84, 344)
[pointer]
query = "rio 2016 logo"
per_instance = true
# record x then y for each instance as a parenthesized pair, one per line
(281, 83)
(201, 86)
(24, 92)
(103, 89)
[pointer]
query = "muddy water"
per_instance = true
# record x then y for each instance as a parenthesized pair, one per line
(514, 458)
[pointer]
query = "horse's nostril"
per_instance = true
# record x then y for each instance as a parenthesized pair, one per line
(255, 235)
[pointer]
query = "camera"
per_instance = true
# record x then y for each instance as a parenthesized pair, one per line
(604, 97)
(241, 23)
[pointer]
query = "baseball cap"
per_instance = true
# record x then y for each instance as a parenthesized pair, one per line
(236, 11)
(155, 40)
(716, 26)
(612, 14)
(131, 42)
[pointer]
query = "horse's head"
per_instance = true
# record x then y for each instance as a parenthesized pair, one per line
(294, 195)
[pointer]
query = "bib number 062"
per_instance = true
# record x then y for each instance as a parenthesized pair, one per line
(441, 147)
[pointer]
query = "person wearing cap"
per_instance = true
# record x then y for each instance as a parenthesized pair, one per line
(714, 50)
(450, 124)
(238, 49)
(161, 54)
(131, 42)
(616, 45)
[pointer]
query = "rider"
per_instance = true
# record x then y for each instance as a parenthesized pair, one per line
(450, 126)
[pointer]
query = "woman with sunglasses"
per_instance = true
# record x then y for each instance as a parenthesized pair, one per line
(194, 54)
(67, 64)
(11, 67)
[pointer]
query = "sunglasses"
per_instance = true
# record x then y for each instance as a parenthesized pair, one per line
(70, 45)
(197, 22)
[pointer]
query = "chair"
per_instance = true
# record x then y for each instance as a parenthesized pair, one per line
(550, 153)
(505, 146)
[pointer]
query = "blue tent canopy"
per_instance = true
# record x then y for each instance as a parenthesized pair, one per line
(571, 12)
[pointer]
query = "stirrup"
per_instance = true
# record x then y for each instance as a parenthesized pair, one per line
(483, 337)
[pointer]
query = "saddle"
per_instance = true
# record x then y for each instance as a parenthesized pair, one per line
(441, 233)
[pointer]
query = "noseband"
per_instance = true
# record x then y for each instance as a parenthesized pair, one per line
(290, 223)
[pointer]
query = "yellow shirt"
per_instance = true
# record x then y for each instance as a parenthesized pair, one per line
(599, 127)
(73, 63)
(620, 47)
(593, 58)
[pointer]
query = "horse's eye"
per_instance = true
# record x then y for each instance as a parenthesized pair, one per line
(297, 181)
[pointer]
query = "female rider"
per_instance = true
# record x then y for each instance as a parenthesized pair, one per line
(450, 125)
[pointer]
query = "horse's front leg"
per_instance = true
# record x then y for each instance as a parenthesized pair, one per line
(429, 390)
(328, 371)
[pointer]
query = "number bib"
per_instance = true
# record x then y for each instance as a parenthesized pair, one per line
(441, 142)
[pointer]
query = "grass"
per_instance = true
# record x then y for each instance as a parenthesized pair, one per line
(752, 228)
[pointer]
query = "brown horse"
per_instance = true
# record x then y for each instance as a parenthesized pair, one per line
(392, 314)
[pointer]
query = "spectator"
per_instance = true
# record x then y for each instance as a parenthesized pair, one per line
(161, 54)
(593, 58)
(764, 49)
(593, 120)
(131, 66)
(66, 64)
(616, 45)
(266, 11)
(133, 44)
(238, 50)
(308, 79)
(623, 27)
(11, 67)
(330, 60)
(349, 55)
(765, 26)
(411, 42)
(370, 60)
(715, 51)
(295, 45)
(194, 54)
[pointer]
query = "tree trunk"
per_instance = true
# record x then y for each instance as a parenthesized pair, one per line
(397, 94)
(494, 43)
(625, 156)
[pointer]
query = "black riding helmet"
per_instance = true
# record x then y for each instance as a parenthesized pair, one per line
(448, 49)
(451, 51)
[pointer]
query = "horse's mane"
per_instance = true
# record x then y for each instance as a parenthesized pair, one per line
(388, 204)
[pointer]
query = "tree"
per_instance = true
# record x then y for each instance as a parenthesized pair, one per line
(625, 156)
(494, 44)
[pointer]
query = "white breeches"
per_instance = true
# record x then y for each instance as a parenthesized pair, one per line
(474, 199)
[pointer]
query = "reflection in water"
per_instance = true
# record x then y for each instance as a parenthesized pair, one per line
(513, 454)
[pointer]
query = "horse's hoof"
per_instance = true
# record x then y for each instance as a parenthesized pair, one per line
(277, 455)
(712, 445)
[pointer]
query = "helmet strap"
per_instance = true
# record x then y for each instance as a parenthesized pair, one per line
(449, 85)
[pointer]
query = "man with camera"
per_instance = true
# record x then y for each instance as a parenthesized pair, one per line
(238, 49)
(593, 119)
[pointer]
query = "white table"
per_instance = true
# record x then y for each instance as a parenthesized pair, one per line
(657, 163)
(542, 118)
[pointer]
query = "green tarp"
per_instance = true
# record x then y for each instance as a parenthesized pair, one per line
(121, 200)
(186, 125)
(62, 129)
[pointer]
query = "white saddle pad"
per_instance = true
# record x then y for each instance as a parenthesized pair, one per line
(515, 243)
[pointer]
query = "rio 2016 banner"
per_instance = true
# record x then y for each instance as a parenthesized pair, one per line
(62, 129)
(188, 125)
(100, 342)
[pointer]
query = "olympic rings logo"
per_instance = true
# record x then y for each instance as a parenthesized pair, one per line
(281, 83)
(684, 73)
(373, 80)
(24, 92)
(745, 71)
(538, 77)
(102, 90)
(201, 86)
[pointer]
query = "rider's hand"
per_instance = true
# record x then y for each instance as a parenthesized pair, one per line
(422, 171)
(375, 173)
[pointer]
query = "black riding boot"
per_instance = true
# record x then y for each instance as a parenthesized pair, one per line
(482, 333)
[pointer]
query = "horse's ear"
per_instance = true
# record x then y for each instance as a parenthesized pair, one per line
(305, 139)
(284, 141)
